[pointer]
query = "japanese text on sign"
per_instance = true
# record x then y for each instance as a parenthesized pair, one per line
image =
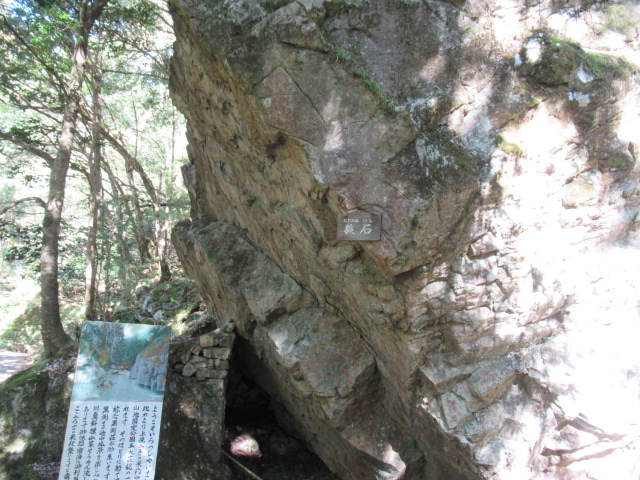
(111, 441)
(359, 226)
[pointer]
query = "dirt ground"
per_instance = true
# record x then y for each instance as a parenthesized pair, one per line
(11, 362)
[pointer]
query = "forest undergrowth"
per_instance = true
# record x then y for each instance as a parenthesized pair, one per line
(174, 303)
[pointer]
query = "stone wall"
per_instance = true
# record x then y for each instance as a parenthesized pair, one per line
(490, 333)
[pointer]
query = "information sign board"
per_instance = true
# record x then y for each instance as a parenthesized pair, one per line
(113, 426)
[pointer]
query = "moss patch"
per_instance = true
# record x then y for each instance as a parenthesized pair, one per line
(20, 379)
(560, 59)
(386, 102)
(510, 148)
(602, 65)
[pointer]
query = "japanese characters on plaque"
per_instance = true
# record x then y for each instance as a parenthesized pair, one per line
(113, 425)
(359, 226)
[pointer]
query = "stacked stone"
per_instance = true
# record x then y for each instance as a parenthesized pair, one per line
(209, 358)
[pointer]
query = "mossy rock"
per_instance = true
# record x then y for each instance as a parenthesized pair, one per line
(33, 412)
(560, 61)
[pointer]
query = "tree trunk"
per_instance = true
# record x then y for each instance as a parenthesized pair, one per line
(95, 200)
(54, 338)
(127, 267)
(163, 223)
(142, 240)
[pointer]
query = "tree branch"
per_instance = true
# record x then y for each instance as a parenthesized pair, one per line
(132, 161)
(129, 159)
(14, 204)
(29, 148)
(245, 469)
(150, 75)
(94, 13)
(50, 70)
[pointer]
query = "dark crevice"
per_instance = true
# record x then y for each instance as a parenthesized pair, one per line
(255, 437)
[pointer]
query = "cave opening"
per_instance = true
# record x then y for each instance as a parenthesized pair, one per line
(257, 437)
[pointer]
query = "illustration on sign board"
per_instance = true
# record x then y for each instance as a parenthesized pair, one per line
(121, 362)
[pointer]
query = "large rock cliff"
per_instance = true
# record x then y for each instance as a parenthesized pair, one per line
(491, 332)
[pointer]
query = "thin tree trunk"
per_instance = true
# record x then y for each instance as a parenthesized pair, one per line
(120, 201)
(125, 264)
(142, 240)
(161, 240)
(95, 200)
(107, 278)
(165, 270)
(132, 165)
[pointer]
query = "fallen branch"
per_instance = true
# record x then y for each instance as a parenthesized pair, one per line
(245, 469)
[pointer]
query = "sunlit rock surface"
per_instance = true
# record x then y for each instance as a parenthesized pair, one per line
(491, 332)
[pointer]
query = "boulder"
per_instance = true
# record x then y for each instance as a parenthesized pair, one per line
(490, 333)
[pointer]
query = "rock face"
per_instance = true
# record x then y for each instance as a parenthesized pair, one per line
(491, 332)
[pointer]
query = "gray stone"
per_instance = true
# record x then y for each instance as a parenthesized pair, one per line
(226, 340)
(217, 363)
(222, 353)
(206, 372)
(189, 370)
(198, 361)
(207, 340)
(185, 357)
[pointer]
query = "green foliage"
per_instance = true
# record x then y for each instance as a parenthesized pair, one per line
(21, 243)
(30, 131)
(24, 330)
(133, 54)
(385, 100)
(36, 44)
